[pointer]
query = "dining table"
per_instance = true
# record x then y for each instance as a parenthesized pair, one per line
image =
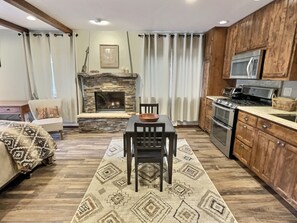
(170, 134)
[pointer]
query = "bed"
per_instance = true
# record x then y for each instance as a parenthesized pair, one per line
(23, 146)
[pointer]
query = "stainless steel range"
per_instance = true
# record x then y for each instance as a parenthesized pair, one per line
(225, 112)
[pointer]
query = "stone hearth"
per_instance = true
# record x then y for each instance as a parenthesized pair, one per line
(92, 121)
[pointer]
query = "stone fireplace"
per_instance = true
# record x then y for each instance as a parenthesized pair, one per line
(108, 101)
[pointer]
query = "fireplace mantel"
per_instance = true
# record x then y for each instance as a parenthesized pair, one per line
(98, 75)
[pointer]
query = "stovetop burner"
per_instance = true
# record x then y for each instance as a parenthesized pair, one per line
(249, 96)
(233, 103)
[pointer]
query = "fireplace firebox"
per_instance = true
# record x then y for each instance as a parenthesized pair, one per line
(109, 101)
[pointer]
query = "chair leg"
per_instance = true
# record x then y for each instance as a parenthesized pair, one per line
(136, 176)
(125, 145)
(175, 144)
(61, 134)
(161, 175)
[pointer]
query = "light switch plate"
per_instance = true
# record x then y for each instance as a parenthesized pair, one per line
(287, 92)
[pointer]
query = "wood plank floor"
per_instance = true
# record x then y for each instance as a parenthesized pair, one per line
(53, 193)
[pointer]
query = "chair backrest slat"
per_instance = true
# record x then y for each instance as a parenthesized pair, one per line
(149, 108)
(149, 136)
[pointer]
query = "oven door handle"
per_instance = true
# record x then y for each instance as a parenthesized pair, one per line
(222, 107)
(222, 125)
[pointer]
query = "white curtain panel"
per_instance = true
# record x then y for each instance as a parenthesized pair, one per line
(186, 77)
(63, 59)
(51, 69)
(155, 74)
(29, 65)
(172, 72)
(40, 75)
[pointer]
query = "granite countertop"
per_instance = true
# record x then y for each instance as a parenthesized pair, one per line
(267, 113)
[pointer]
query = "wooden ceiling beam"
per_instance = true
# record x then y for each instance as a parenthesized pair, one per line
(13, 26)
(32, 10)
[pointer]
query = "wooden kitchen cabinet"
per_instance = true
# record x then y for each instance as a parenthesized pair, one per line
(281, 54)
(260, 27)
(265, 156)
(275, 161)
(245, 134)
(244, 33)
(248, 34)
(242, 152)
(285, 176)
(269, 149)
(253, 30)
(202, 112)
(208, 115)
(229, 50)
(273, 28)
(213, 84)
(293, 200)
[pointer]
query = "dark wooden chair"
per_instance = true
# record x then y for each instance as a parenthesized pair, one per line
(149, 146)
(149, 108)
(144, 108)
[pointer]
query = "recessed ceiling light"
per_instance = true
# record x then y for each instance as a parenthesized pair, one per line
(99, 22)
(30, 17)
(190, 1)
(222, 22)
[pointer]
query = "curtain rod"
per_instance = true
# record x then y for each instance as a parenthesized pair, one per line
(171, 35)
(47, 35)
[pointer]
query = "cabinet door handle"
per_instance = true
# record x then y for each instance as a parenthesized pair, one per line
(244, 126)
(283, 144)
(246, 118)
(278, 142)
(241, 145)
(264, 126)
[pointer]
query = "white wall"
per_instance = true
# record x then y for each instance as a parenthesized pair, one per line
(13, 72)
(94, 38)
(14, 83)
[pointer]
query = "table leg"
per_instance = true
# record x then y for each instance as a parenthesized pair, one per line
(170, 157)
(129, 157)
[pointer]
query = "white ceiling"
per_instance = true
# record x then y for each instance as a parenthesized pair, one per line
(136, 15)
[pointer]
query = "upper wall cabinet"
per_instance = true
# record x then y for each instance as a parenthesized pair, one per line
(273, 27)
(248, 34)
(260, 27)
(244, 34)
(253, 30)
(230, 49)
(281, 55)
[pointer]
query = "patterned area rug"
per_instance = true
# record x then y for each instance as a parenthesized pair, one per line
(191, 198)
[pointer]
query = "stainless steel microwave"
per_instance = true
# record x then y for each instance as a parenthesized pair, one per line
(247, 65)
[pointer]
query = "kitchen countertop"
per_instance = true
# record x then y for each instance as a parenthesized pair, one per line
(266, 113)
(214, 97)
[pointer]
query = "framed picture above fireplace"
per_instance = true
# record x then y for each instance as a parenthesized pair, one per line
(109, 56)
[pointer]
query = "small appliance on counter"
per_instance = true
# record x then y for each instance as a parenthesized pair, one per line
(233, 92)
